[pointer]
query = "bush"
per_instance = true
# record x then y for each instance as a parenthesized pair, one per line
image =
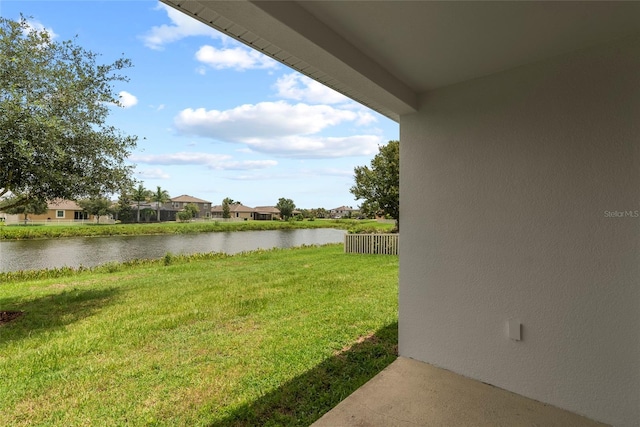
(168, 258)
(110, 267)
(184, 216)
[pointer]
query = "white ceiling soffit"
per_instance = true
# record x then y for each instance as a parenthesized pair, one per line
(321, 54)
(384, 53)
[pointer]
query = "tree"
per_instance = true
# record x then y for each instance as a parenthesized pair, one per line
(184, 216)
(226, 210)
(139, 195)
(190, 211)
(54, 102)
(370, 209)
(379, 185)
(97, 206)
(307, 213)
(193, 209)
(286, 207)
(32, 206)
(160, 196)
(321, 213)
(123, 210)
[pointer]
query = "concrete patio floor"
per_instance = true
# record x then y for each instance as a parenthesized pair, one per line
(412, 393)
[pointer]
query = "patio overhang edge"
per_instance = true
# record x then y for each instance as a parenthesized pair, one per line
(321, 54)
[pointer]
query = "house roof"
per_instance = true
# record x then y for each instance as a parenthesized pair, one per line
(238, 207)
(234, 207)
(267, 210)
(343, 208)
(367, 49)
(63, 205)
(185, 198)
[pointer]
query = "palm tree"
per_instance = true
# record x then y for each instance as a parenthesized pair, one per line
(160, 196)
(139, 195)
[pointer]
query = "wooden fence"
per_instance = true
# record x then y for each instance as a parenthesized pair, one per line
(384, 244)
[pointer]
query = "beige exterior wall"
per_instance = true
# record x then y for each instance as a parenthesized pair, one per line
(234, 215)
(520, 194)
(52, 215)
(242, 215)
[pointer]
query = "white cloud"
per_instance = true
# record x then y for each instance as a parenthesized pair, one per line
(263, 176)
(245, 150)
(127, 100)
(262, 120)
(301, 88)
(365, 118)
(248, 165)
(154, 174)
(280, 129)
(182, 158)
(238, 58)
(212, 161)
(317, 147)
(181, 26)
(293, 174)
(33, 25)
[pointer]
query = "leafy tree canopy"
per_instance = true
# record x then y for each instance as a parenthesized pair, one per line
(35, 207)
(98, 206)
(160, 196)
(189, 212)
(286, 207)
(54, 102)
(184, 216)
(192, 210)
(320, 213)
(378, 186)
(123, 210)
(226, 210)
(139, 195)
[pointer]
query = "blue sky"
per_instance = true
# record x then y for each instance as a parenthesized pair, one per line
(214, 118)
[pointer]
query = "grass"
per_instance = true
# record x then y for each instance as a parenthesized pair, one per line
(264, 338)
(21, 232)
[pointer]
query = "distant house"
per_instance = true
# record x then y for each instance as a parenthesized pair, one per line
(341, 212)
(178, 203)
(216, 211)
(57, 210)
(236, 211)
(266, 213)
(148, 211)
(62, 210)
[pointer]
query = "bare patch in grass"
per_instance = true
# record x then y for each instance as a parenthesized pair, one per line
(8, 316)
(371, 338)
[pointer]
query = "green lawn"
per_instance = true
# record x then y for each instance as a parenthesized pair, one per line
(55, 231)
(265, 338)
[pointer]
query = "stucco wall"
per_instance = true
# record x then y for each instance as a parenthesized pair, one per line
(506, 183)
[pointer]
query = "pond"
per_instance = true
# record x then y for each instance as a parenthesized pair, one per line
(92, 251)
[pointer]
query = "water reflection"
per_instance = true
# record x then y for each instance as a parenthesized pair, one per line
(92, 251)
